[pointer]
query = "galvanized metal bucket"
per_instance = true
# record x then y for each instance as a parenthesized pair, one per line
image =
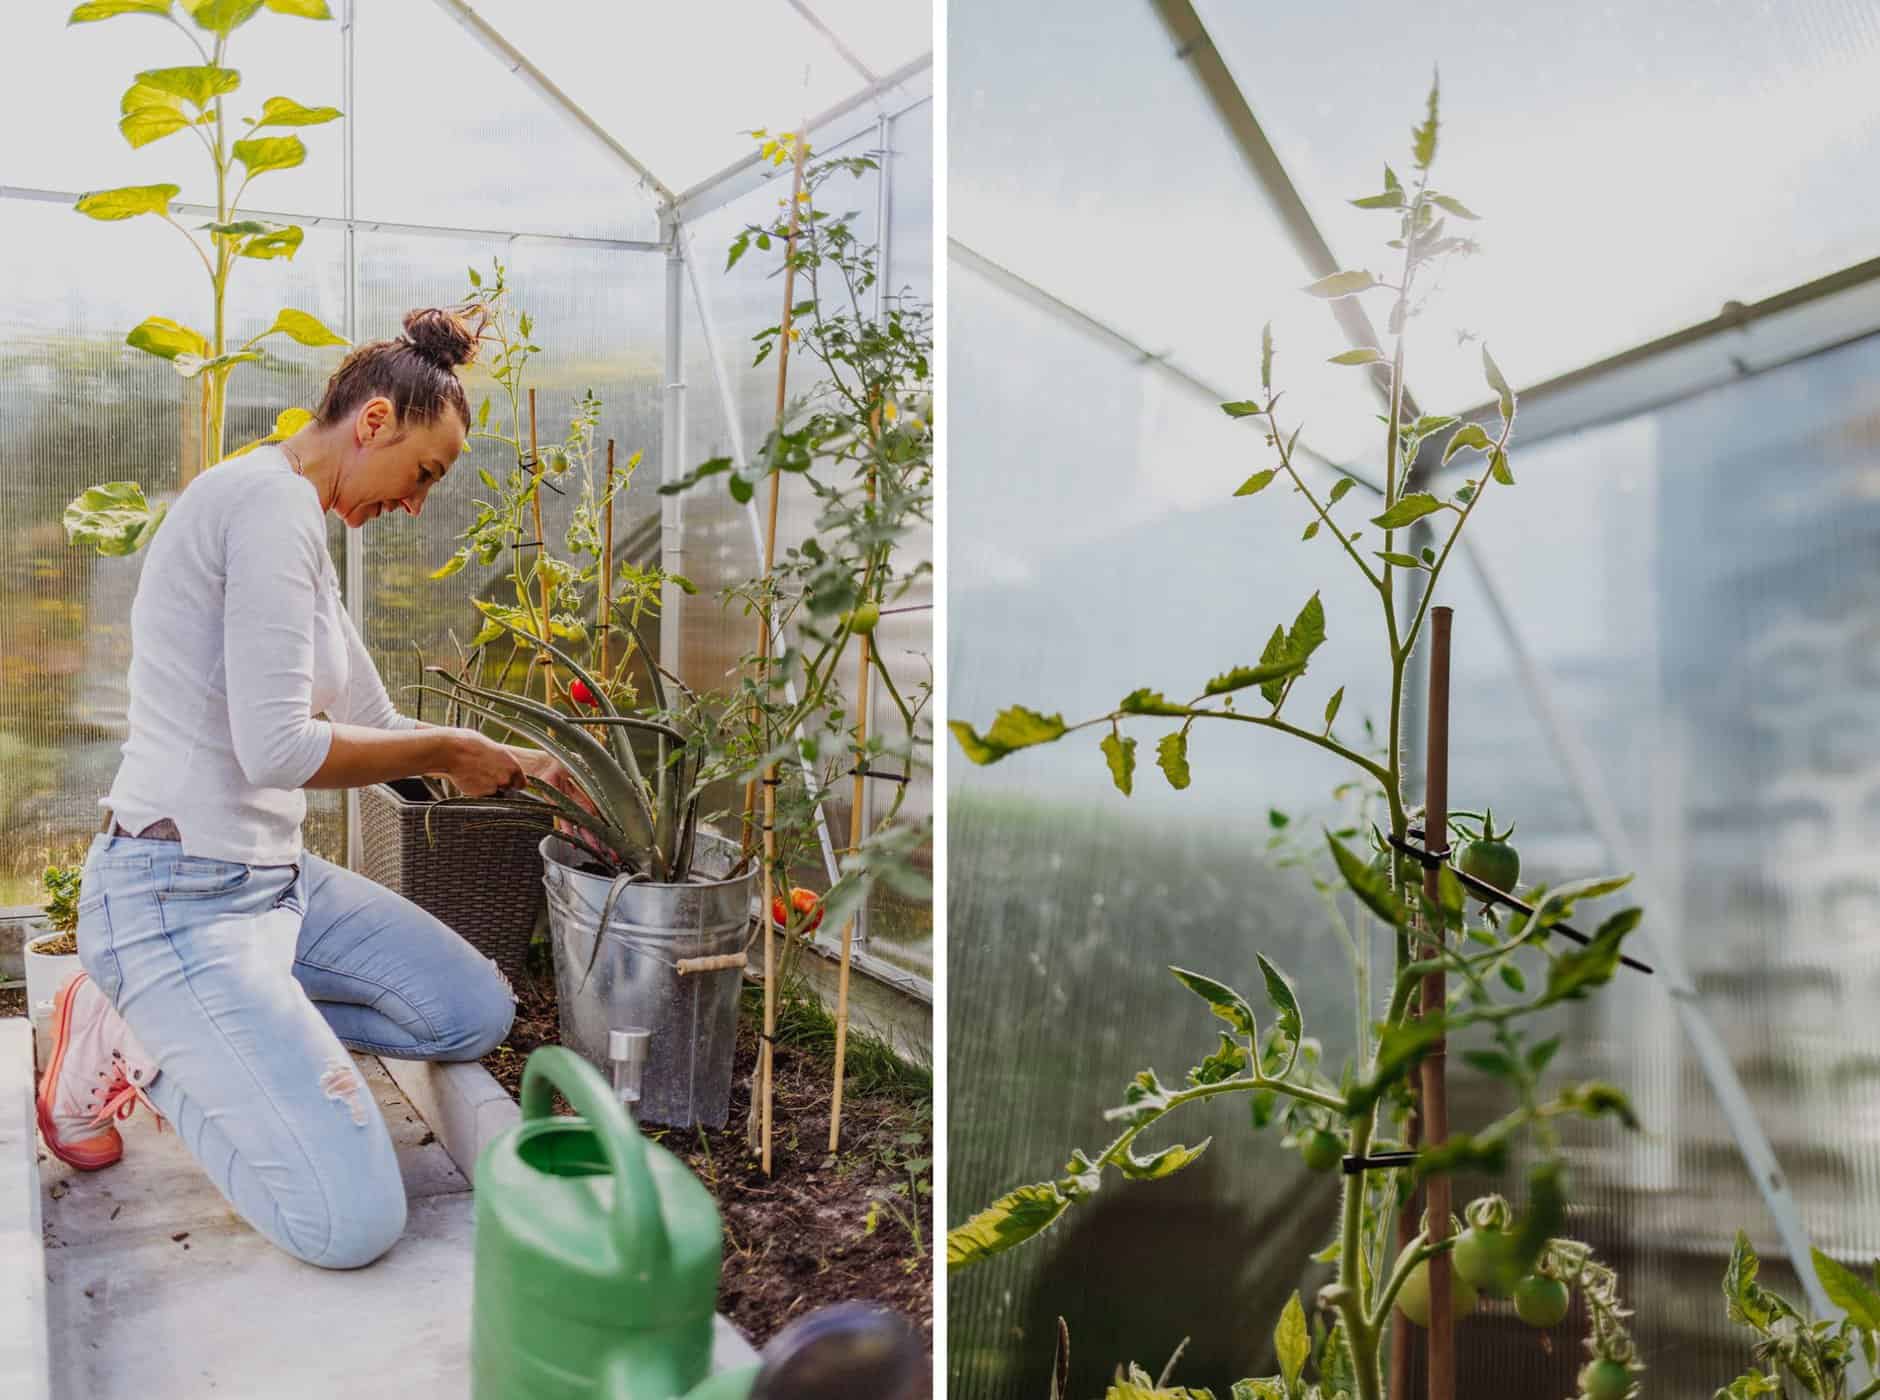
(670, 962)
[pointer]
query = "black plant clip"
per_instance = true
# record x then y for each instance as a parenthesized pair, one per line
(1378, 1162)
(1432, 860)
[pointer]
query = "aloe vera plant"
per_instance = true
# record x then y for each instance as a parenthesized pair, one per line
(646, 800)
(115, 518)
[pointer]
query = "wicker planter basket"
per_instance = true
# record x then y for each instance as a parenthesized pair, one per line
(483, 877)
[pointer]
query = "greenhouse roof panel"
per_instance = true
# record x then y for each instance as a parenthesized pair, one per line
(1635, 167)
(1145, 215)
(681, 89)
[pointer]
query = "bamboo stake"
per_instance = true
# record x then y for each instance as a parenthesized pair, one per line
(767, 1057)
(1435, 1104)
(1402, 1334)
(607, 565)
(855, 828)
(535, 465)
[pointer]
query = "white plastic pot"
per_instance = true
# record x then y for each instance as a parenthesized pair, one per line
(46, 973)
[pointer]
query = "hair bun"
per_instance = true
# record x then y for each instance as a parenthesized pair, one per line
(448, 337)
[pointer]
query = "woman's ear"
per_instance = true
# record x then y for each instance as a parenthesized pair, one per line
(374, 422)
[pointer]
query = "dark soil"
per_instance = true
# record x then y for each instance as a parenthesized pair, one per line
(799, 1239)
(12, 1001)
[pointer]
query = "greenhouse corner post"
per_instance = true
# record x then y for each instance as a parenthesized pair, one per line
(672, 442)
(355, 539)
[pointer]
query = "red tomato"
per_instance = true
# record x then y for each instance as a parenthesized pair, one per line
(805, 902)
(581, 695)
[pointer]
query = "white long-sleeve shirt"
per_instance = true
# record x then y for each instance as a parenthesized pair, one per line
(238, 640)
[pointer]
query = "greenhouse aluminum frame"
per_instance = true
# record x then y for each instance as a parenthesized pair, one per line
(1792, 325)
(872, 108)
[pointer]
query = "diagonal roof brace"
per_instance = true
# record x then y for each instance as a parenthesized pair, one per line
(512, 58)
(1195, 47)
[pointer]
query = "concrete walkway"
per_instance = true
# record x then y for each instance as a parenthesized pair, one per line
(152, 1288)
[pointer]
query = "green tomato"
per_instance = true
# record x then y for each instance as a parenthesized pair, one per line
(863, 619)
(1493, 863)
(1540, 1301)
(1321, 1150)
(1605, 1380)
(1413, 1299)
(1485, 1258)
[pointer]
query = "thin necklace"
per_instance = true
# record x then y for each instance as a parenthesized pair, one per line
(293, 459)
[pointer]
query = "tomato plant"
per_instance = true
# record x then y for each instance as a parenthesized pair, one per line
(1500, 972)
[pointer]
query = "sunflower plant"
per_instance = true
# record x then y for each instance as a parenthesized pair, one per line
(115, 518)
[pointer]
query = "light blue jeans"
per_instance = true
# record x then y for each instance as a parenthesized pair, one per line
(245, 984)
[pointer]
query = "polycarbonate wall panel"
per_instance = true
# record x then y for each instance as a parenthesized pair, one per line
(79, 407)
(598, 316)
(446, 134)
(1095, 547)
(70, 78)
(720, 544)
(1646, 110)
(1697, 588)
(1125, 196)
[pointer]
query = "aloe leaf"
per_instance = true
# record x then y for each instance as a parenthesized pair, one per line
(585, 758)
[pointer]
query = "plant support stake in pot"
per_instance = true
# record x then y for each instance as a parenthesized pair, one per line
(1435, 1095)
(768, 1046)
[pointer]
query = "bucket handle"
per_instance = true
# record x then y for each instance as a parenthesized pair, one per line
(638, 1222)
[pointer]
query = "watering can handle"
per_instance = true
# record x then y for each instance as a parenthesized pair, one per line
(638, 1222)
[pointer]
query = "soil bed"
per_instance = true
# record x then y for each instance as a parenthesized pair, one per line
(801, 1238)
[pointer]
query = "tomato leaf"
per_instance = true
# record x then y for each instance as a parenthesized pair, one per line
(1257, 483)
(1014, 728)
(1408, 509)
(1279, 990)
(1222, 999)
(1010, 1220)
(1342, 284)
(1171, 756)
(1120, 753)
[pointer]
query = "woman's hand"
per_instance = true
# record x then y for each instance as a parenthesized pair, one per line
(537, 763)
(480, 766)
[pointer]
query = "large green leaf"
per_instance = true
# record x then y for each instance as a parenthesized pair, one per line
(1226, 1003)
(276, 243)
(199, 84)
(1575, 973)
(1014, 729)
(221, 16)
(149, 124)
(286, 423)
(166, 339)
(284, 111)
(1469, 435)
(95, 10)
(260, 154)
(1423, 138)
(127, 201)
(305, 328)
(113, 518)
(1256, 483)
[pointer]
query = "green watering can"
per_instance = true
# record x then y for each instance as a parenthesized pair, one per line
(597, 1258)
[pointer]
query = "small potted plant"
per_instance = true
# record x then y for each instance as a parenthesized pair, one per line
(52, 943)
(649, 910)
